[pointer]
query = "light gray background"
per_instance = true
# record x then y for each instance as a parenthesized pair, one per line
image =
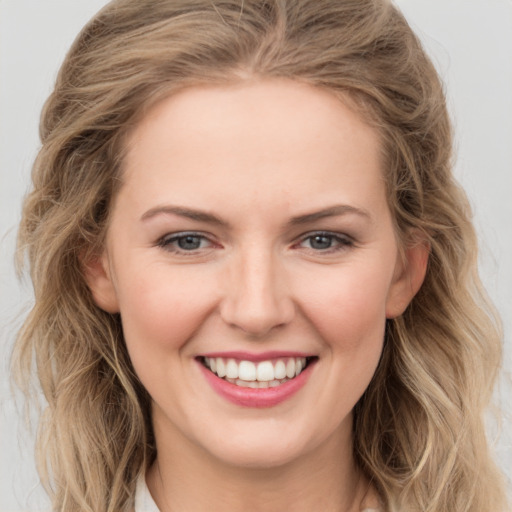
(469, 40)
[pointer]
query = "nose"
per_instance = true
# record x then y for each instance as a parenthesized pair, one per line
(257, 298)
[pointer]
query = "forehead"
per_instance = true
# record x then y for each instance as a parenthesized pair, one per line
(253, 109)
(279, 136)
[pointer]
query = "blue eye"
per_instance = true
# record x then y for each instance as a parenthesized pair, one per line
(321, 242)
(325, 242)
(184, 242)
(189, 242)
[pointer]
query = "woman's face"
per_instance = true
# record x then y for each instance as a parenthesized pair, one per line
(251, 235)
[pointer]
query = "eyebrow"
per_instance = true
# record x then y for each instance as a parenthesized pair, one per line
(188, 213)
(202, 216)
(333, 211)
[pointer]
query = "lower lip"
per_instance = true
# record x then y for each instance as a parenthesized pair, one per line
(257, 397)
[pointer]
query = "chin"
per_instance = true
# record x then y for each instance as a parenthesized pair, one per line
(265, 445)
(256, 456)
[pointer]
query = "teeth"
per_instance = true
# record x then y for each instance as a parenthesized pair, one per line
(256, 375)
(221, 367)
(298, 366)
(265, 371)
(290, 369)
(232, 369)
(247, 370)
(280, 370)
(256, 384)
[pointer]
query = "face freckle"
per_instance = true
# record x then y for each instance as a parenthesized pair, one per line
(253, 224)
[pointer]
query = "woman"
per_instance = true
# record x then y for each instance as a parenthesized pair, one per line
(255, 276)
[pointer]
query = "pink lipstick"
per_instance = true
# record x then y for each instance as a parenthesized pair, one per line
(265, 380)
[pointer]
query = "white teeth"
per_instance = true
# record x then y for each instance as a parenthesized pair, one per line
(280, 370)
(256, 375)
(247, 370)
(221, 367)
(290, 369)
(298, 366)
(265, 371)
(231, 369)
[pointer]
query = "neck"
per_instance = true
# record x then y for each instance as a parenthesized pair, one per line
(325, 479)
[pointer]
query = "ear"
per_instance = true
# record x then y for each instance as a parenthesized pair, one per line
(98, 277)
(409, 275)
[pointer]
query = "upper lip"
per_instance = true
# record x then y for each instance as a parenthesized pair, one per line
(256, 357)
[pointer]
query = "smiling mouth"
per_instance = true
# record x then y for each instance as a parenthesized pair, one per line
(263, 374)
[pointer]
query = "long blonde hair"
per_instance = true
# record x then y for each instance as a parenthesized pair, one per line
(418, 429)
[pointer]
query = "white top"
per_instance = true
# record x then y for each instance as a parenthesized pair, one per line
(145, 503)
(143, 499)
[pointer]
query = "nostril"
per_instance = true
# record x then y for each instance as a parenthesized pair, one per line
(255, 298)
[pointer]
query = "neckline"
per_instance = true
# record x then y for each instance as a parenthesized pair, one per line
(144, 502)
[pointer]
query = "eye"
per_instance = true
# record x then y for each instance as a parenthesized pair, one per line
(184, 242)
(325, 242)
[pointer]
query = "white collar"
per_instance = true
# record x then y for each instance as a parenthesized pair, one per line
(143, 499)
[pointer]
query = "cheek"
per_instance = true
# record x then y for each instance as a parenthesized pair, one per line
(348, 308)
(160, 311)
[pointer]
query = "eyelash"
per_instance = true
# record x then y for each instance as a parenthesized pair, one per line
(169, 242)
(342, 242)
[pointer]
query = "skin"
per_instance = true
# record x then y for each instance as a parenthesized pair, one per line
(255, 155)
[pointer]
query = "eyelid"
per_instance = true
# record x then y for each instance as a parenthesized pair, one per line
(344, 241)
(166, 241)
